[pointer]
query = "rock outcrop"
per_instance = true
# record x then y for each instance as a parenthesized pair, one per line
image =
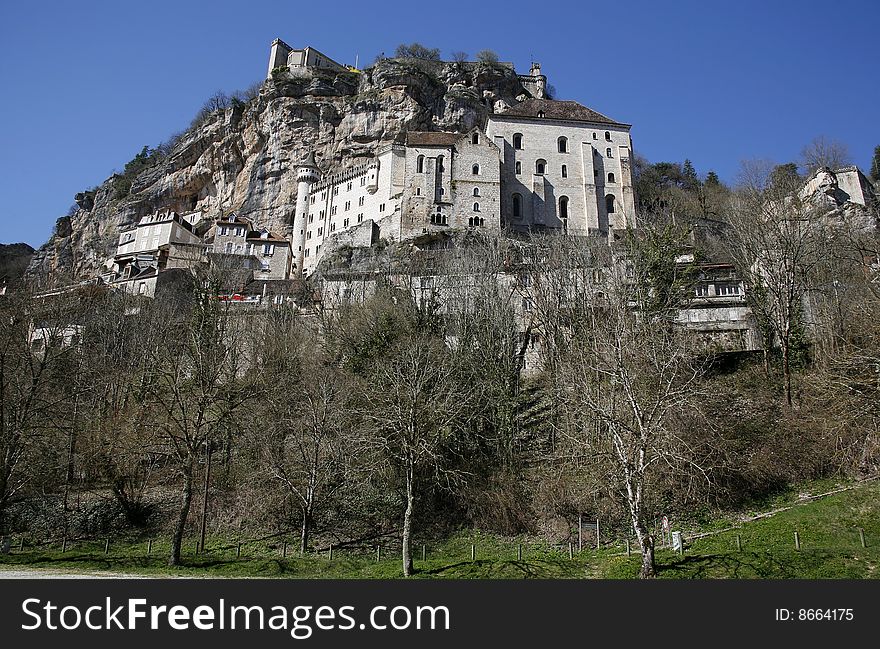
(243, 158)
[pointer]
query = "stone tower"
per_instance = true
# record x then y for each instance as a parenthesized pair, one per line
(307, 174)
(540, 81)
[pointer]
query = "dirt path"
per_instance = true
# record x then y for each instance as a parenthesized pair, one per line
(22, 572)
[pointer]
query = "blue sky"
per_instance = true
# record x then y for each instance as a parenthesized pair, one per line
(87, 84)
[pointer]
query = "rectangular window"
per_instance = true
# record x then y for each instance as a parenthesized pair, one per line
(347, 205)
(332, 227)
(306, 254)
(322, 213)
(323, 195)
(727, 289)
(224, 231)
(363, 181)
(333, 210)
(269, 249)
(311, 217)
(382, 207)
(361, 201)
(348, 187)
(320, 231)
(345, 223)
(239, 232)
(360, 217)
(309, 234)
(336, 191)
(229, 248)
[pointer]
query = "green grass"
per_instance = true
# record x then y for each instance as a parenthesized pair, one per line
(828, 529)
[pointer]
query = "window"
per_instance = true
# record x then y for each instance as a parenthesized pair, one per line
(418, 191)
(332, 227)
(563, 207)
(517, 206)
(239, 232)
(306, 254)
(608, 135)
(420, 164)
(562, 145)
(322, 214)
(726, 289)
(224, 231)
(476, 191)
(348, 187)
(595, 137)
(360, 217)
(361, 201)
(345, 223)
(475, 170)
(475, 138)
(565, 171)
(336, 191)
(333, 210)
(476, 207)
(609, 204)
(540, 113)
(540, 165)
(611, 177)
(323, 195)
(439, 164)
(229, 248)
(311, 218)
(475, 222)
(312, 200)
(347, 205)
(142, 289)
(363, 181)
(608, 153)
(309, 234)
(518, 168)
(517, 141)
(382, 207)
(701, 290)
(320, 231)
(268, 250)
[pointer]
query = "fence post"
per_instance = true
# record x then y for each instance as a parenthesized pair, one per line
(238, 551)
(580, 532)
(64, 545)
(739, 544)
(424, 552)
(107, 546)
(330, 552)
(519, 552)
(21, 544)
(627, 548)
(150, 546)
(597, 533)
(284, 550)
(797, 541)
(570, 551)
(473, 552)
(378, 553)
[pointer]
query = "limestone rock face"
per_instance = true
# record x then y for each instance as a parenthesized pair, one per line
(244, 158)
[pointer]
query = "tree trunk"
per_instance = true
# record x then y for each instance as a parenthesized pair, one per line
(180, 525)
(786, 371)
(646, 545)
(304, 532)
(407, 524)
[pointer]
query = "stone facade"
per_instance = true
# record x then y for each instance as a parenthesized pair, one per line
(564, 166)
(264, 252)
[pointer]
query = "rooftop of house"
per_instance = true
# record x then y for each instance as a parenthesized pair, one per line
(570, 111)
(432, 138)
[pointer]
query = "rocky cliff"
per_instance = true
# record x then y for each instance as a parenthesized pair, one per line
(244, 157)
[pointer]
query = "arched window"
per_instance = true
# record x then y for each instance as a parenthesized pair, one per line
(440, 163)
(564, 171)
(475, 170)
(563, 207)
(609, 204)
(475, 138)
(562, 145)
(595, 137)
(476, 207)
(540, 165)
(476, 191)
(517, 206)
(517, 141)
(608, 153)
(420, 164)
(540, 113)
(611, 178)
(608, 135)
(518, 167)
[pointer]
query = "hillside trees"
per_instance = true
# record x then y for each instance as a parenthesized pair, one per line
(779, 244)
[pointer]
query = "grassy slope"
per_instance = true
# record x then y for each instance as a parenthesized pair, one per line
(828, 528)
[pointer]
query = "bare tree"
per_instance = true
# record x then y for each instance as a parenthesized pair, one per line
(459, 56)
(779, 242)
(824, 152)
(489, 57)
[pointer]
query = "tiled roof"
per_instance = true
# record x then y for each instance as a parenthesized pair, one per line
(431, 138)
(555, 109)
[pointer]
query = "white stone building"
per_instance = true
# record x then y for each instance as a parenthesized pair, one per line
(282, 55)
(563, 166)
(260, 250)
